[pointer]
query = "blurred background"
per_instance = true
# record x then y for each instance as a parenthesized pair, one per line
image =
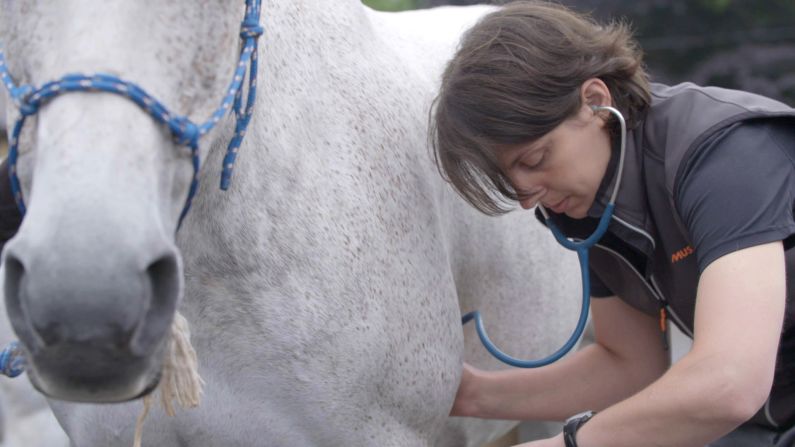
(744, 44)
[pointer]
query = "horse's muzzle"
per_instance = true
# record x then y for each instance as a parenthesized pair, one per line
(88, 374)
(93, 332)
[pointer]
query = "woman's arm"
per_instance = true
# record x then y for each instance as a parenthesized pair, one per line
(727, 375)
(627, 356)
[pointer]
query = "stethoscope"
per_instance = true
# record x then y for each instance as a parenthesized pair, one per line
(581, 247)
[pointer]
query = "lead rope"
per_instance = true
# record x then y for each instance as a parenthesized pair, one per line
(180, 380)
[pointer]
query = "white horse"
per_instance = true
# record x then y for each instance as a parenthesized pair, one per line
(324, 290)
(25, 417)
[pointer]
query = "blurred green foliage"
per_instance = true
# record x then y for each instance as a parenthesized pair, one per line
(391, 5)
(717, 6)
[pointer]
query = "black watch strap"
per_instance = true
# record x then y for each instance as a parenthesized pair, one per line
(572, 425)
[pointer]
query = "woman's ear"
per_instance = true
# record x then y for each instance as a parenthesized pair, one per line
(594, 92)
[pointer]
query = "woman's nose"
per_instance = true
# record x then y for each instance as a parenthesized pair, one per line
(530, 197)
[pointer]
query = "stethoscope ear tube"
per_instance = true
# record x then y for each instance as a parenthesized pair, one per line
(581, 247)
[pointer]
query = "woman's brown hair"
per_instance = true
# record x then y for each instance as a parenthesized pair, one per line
(516, 76)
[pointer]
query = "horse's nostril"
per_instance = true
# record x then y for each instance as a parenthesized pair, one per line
(162, 272)
(14, 286)
(165, 282)
(53, 304)
(15, 271)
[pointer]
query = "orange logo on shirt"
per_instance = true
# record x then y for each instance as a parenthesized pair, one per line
(681, 254)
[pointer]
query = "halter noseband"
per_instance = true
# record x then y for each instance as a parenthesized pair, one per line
(28, 100)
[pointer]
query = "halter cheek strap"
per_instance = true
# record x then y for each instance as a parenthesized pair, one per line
(29, 100)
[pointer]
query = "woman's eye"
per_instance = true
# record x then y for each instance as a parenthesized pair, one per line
(535, 161)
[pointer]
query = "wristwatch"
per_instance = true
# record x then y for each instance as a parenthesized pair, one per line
(572, 425)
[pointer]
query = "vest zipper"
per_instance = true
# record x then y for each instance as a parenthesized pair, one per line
(637, 230)
(661, 301)
(651, 284)
(670, 312)
(655, 293)
(664, 326)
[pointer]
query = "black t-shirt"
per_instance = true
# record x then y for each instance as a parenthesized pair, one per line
(737, 192)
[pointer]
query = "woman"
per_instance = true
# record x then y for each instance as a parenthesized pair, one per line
(701, 233)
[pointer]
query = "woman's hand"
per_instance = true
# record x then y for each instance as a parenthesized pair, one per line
(466, 399)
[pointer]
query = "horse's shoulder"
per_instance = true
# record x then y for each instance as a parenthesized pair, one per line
(425, 38)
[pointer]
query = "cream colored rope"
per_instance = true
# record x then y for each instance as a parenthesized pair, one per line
(180, 380)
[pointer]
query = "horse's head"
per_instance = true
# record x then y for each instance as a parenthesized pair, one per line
(93, 277)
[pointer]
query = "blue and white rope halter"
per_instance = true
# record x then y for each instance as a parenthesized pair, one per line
(29, 100)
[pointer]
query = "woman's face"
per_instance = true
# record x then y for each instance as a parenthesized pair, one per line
(563, 169)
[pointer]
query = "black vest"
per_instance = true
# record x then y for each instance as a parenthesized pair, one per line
(646, 256)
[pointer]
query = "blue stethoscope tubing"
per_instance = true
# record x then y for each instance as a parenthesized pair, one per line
(581, 247)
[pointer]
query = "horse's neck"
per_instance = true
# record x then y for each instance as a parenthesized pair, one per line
(302, 39)
(303, 43)
(307, 10)
(298, 20)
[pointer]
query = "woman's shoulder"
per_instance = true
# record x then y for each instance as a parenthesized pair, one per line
(738, 189)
